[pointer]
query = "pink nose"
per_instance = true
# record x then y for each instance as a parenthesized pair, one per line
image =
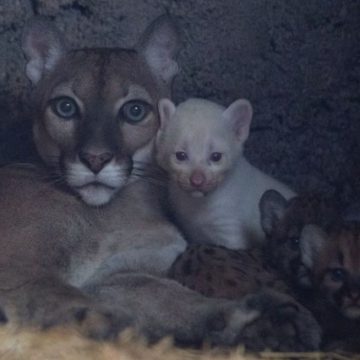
(95, 162)
(197, 178)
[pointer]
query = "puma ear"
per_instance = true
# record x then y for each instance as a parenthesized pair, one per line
(272, 209)
(159, 45)
(166, 111)
(312, 241)
(43, 46)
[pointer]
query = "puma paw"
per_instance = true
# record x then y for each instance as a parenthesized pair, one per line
(282, 325)
(264, 321)
(99, 325)
(88, 320)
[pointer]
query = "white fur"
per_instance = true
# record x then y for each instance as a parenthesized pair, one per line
(227, 213)
(312, 240)
(113, 176)
(38, 64)
(159, 50)
(44, 48)
(230, 215)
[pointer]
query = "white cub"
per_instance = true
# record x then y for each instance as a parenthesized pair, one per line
(214, 191)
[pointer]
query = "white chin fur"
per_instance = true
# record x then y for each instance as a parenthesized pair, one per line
(95, 195)
(89, 185)
(197, 194)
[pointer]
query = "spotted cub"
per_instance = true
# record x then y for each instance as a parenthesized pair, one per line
(216, 271)
(319, 257)
(283, 222)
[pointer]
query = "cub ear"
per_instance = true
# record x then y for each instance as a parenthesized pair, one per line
(159, 45)
(312, 241)
(43, 46)
(166, 111)
(239, 115)
(272, 209)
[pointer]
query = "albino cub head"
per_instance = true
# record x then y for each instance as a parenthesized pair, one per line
(199, 141)
(94, 108)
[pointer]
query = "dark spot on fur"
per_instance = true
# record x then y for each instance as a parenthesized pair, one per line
(80, 314)
(231, 282)
(208, 277)
(199, 258)
(340, 257)
(35, 6)
(235, 255)
(252, 256)
(209, 251)
(239, 270)
(75, 5)
(3, 318)
(186, 268)
(216, 323)
(218, 258)
(209, 291)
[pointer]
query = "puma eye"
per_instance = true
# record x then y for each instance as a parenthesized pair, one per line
(64, 107)
(135, 111)
(216, 156)
(337, 275)
(181, 155)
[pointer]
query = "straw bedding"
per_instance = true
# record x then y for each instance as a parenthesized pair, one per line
(63, 343)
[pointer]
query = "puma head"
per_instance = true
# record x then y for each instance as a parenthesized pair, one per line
(94, 108)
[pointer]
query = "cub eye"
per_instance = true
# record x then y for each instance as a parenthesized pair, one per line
(215, 156)
(337, 275)
(135, 111)
(64, 107)
(294, 242)
(181, 155)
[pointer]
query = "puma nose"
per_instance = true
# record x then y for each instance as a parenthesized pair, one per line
(95, 162)
(197, 179)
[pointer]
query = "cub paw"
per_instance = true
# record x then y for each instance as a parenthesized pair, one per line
(282, 325)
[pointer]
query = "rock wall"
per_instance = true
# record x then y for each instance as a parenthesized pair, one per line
(296, 61)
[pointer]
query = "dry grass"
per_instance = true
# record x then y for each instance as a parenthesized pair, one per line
(65, 344)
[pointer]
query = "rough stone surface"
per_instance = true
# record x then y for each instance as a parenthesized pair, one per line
(298, 62)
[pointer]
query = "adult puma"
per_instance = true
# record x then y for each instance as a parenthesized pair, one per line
(101, 267)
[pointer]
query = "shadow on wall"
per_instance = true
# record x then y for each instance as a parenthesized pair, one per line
(296, 62)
